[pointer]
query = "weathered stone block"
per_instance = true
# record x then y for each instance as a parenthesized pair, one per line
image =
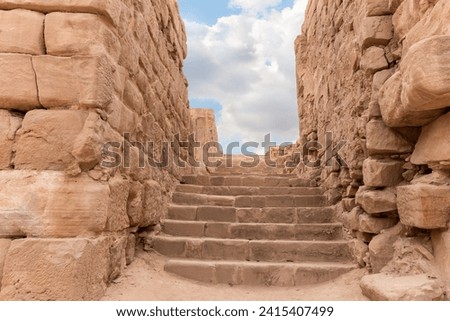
(117, 259)
(375, 31)
(379, 201)
(394, 112)
(135, 204)
(56, 269)
(441, 247)
(381, 250)
(409, 13)
(9, 124)
(69, 34)
(18, 88)
(154, 205)
(351, 219)
(374, 225)
(47, 138)
(84, 81)
(22, 31)
(359, 251)
(111, 9)
(121, 118)
(49, 204)
(424, 206)
(433, 145)
(432, 21)
(382, 172)
(426, 86)
(4, 247)
(382, 287)
(117, 215)
(376, 7)
(381, 140)
(374, 60)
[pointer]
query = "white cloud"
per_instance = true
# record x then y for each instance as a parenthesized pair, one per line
(247, 63)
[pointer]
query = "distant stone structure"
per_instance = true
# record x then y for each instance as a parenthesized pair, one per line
(76, 75)
(203, 123)
(376, 75)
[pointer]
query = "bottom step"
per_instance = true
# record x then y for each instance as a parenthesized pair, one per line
(257, 273)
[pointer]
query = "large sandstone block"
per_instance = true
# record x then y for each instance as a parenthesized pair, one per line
(69, 34)
(433, 145)
(382, 172)
(424, 206)
(155, 206)
(375, 31)
(383, 287)
(351, 219)
(426, 75)
(381, 140)
(18, 88)
(377, 201)
(111, 9)
(441, 247)
(22, 31)
(9, 124)
(376, 7)
(4, 247)
(374, 225)
(409, 13)
(56, 269)
(117, 218)
(59, 140)
(381, 249)
(374, 60)
(394, 112)
(84, 81)
(50, 204)
(433, 21)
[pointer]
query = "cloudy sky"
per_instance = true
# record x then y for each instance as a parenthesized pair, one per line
(241, 63)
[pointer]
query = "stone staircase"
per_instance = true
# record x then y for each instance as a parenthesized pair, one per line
(252, 230)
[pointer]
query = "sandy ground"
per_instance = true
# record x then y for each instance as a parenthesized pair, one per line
(146, 280)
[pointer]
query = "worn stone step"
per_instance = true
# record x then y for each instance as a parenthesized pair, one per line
(254, 231)
(287, 215)
(202, 199)
(257, 273)
(248, 180)
(238, 172)
(240, 249)
(280, 201)
(247, 190)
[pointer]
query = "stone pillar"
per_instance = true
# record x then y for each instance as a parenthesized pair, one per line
(205, 132)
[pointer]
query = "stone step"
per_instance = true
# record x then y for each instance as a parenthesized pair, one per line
(280, 201)
(287, 215)
(252, 231)
(237, 172)
(202, 199)
(248, 190)
(245, 250)
(207, 180)
(249, 201)
(257, 273)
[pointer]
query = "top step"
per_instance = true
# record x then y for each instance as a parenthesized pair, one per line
(248, 180)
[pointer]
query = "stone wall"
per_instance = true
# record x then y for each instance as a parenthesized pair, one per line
(375, 74)
(81, 82)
